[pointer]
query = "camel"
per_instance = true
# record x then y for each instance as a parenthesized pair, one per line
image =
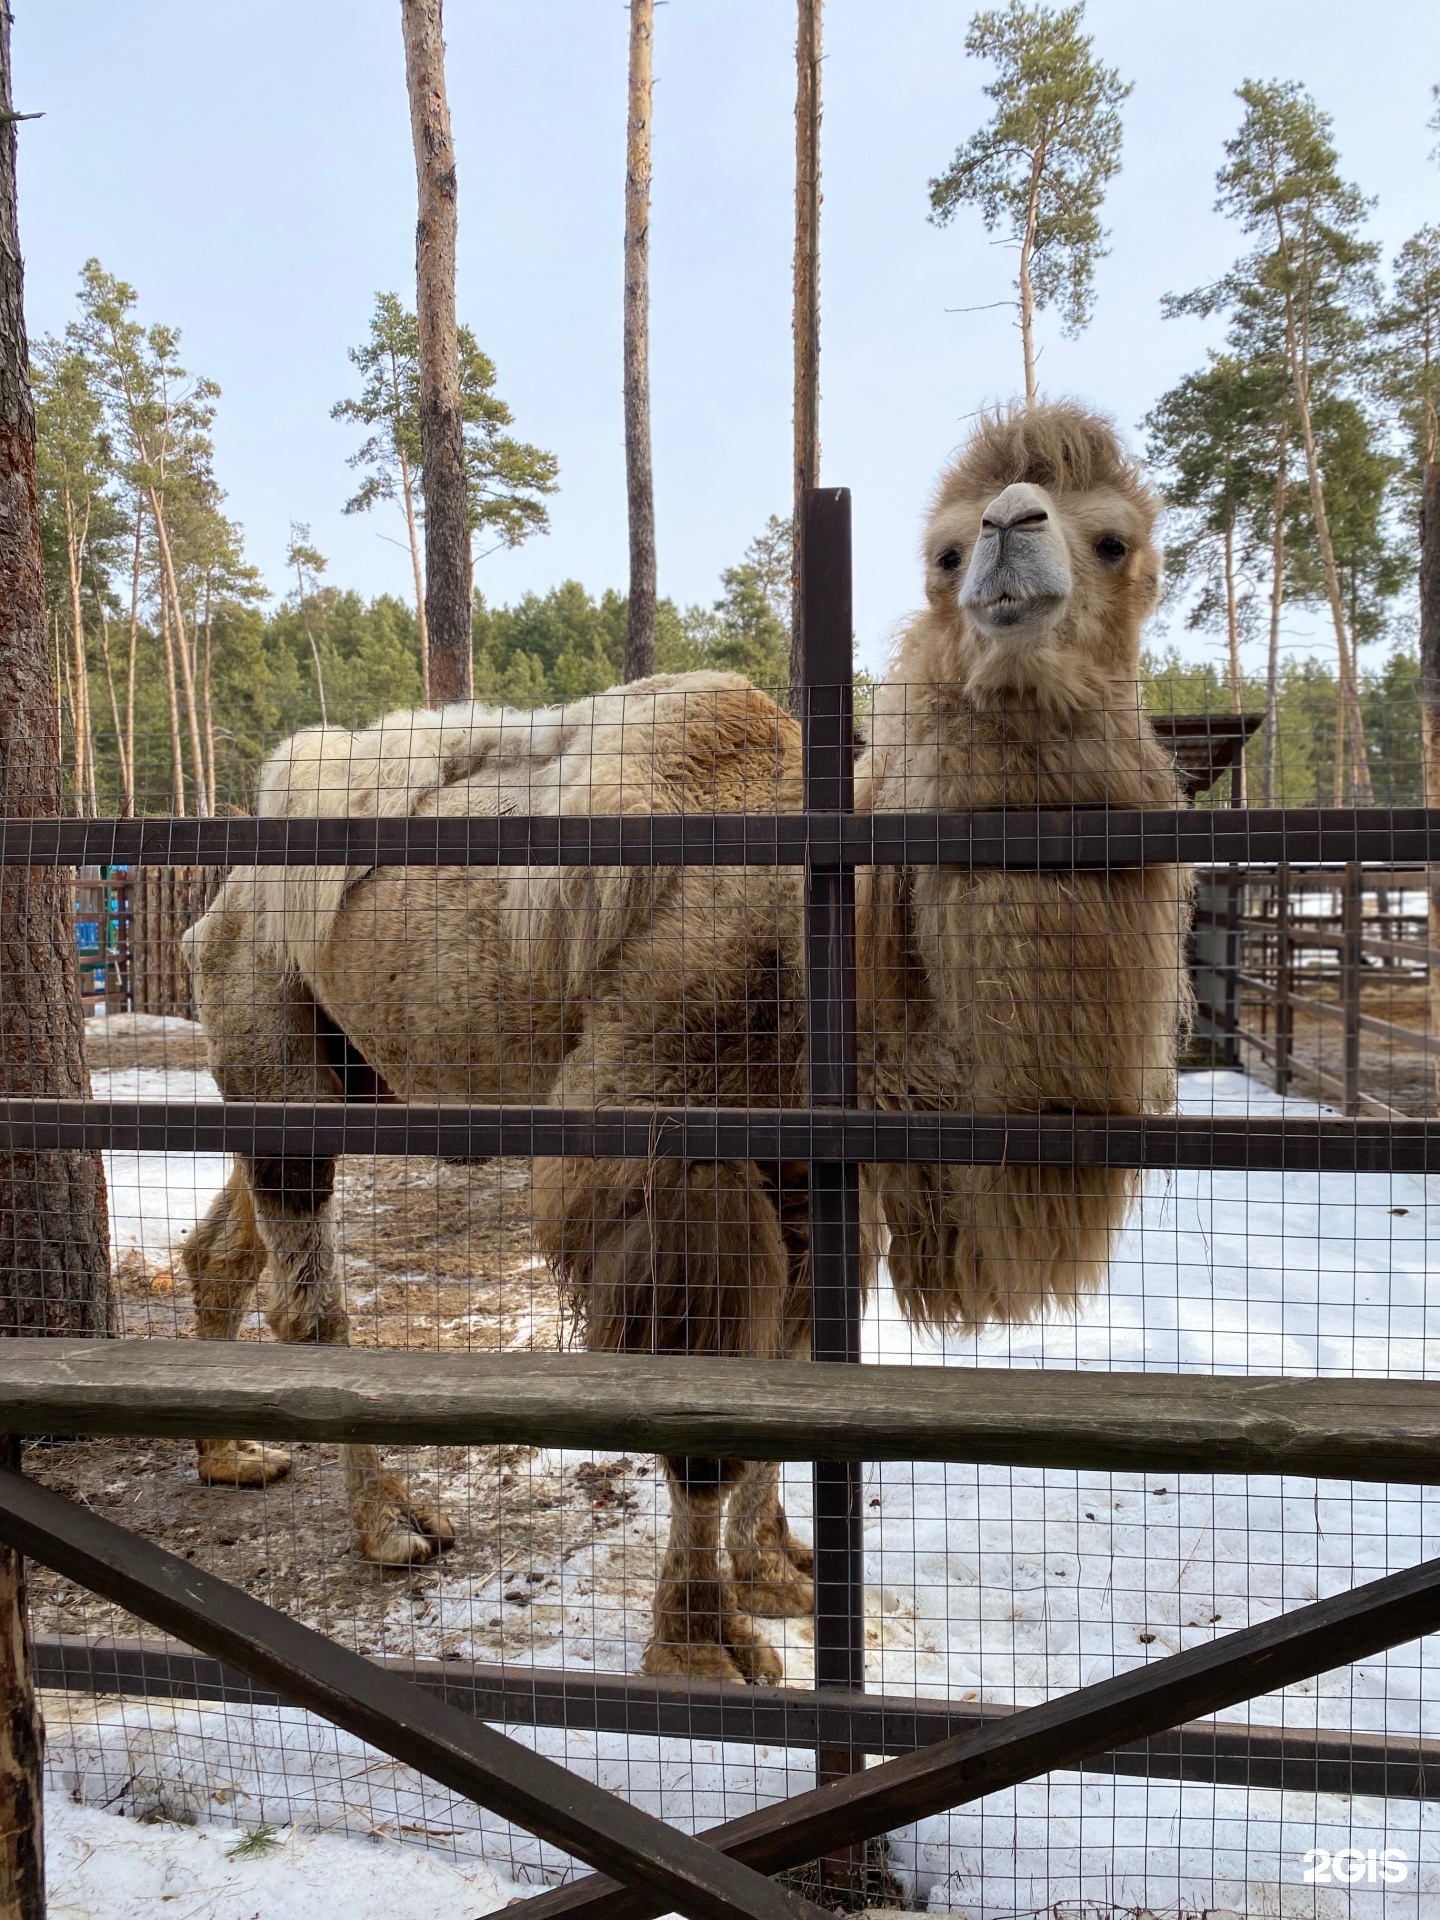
(979, 992)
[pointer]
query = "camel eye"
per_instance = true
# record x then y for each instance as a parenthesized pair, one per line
(1111, 549)
(949, 560)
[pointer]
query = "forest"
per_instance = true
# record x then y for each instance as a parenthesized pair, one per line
(1290, 465)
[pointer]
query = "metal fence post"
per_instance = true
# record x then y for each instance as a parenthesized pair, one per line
(827, 686)
(1284, 981)
(1352, 901)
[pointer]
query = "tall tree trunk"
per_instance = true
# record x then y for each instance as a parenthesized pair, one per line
(442, 436)
(1027, 284)
(407, 488)
(131, 660)
(639, 478)
(111, 692)
(187, 666)
(1430, 698)
(1232, 634)
(1277, 601)
(1296, 350)
(76, 535)
(207, 710)
(805, 319)
(54, 1244)
(177, 754)
(54, 1236)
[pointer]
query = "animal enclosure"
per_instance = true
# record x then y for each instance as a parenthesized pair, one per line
(584, 1073)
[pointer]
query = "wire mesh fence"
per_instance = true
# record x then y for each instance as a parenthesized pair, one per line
(559, 915)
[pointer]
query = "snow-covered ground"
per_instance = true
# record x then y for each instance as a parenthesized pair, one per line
(985, 1583)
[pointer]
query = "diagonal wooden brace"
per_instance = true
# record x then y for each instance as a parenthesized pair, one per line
(392, 1714)
(1060, 1733)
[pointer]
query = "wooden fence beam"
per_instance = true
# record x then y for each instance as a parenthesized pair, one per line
(412, 1726)
(1381, 1430)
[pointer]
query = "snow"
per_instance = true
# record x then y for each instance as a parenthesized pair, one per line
(155, 1198)
(103, 1868)
(988, 1583)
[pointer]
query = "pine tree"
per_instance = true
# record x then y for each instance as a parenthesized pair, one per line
(507, 479)
(1281, 182)
(1038, 171)
(1215, 440)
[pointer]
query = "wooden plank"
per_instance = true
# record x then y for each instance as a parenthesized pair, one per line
(1383, 1430)
(1250, 1142)
(1062, 1733)
(379, 1706)
(1229, 1753)
(1022, 838)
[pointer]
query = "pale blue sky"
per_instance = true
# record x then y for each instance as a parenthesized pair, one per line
(249, 169)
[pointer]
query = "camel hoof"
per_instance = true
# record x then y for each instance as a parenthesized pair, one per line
(771, 1587)
(399, 1532)
(741, 1655)
(662, 1659)
(240, 1463)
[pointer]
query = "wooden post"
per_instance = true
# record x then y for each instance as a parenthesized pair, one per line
(805, 318)
(442, 434)
(1352, 901)
(639, 477)
(22, 1860)
(1430, 701)
(1284, 982)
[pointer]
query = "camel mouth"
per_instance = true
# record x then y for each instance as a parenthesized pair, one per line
(1007, 611)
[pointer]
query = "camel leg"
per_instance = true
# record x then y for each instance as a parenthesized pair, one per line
(223, 1258)
(773, 1572)
(699, 1629)
(264, 1038)
(674, 1257)
(292, 1211)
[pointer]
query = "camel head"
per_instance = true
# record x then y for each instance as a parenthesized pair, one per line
(1041, 563)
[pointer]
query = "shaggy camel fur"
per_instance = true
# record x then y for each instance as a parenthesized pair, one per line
(981, 992)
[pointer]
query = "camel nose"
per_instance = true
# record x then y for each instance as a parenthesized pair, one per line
(1020, 505)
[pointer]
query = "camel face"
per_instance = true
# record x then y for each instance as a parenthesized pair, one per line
(1041, 564)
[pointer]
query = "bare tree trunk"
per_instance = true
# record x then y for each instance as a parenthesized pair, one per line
(639, 478)
(1363, 793)
(805, 321)
(75, 541)
(1277, 601)
(54, 1241)
(442, 436)
(110, 691)
(131, 657)
(207, 710)
(177, 755)
(310, 637)
(1027, 284)
(1232, 633)
(187, 668)
(1430, 698)
(407, 488)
